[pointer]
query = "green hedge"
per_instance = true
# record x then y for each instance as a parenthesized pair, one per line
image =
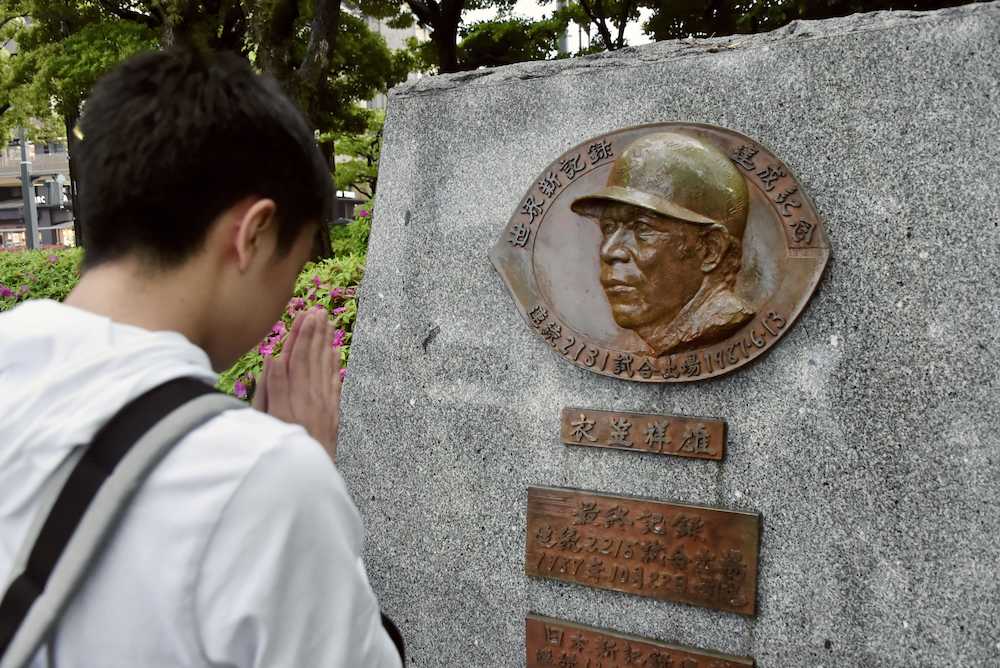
(331, 283)
(42, 274)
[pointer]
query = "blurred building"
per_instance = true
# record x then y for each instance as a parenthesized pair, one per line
(49, 182)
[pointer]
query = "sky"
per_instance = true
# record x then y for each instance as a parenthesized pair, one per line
(532, 10)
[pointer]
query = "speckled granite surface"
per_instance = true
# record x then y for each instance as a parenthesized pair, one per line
(867, 438)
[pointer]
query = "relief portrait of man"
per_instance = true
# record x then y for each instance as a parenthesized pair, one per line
(672, 217)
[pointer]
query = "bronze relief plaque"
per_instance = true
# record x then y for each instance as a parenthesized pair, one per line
(663, 253)
(681, 436)
(674, 552)
(554, 642)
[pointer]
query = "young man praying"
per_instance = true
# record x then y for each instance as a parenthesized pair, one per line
(202, 194)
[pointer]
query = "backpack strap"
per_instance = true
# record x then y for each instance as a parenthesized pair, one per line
(95, 495)
(395, 636)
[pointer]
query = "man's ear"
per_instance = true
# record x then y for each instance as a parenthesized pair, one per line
(255, 230)
(714, 243)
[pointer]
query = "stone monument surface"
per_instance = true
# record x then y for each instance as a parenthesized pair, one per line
(867, 441)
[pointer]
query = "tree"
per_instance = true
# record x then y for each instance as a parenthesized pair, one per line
(699, 18)
(510, 40)
(443, 18)
(358, 155)
(609, 18)
(295, 41)
(326, 60)
(703, 18)
(62, 48)
(61, 51)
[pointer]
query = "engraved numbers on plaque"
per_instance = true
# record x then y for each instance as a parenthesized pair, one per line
(690, 554)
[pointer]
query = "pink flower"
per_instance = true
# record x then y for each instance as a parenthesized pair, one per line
(295, 305)
(266, 348)
(339, 310)
(338, 338)
(343, 372)
(363, 213)
(336, 292)
(315, 280)
(240, 390)
(53, 259)
(5, 291)
(279, 329)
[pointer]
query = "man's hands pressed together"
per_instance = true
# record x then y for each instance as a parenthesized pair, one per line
(303, 385)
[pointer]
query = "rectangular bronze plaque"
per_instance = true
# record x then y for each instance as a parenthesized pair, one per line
(674, 552)
(553, 642)
(704, 438)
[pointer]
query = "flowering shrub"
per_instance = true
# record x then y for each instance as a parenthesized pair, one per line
(330, 284)
(353, 238)
(49, 273)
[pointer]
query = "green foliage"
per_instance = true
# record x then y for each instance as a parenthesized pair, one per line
(67, 46)
(608, 18)
(330, 284)
(60, 54)
(704, 18)
(442, 18)
(362, 67)
(352, 239)
(510, 40)
(39, 274)
(358, 155)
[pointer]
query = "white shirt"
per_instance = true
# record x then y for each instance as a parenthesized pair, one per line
(241, 549)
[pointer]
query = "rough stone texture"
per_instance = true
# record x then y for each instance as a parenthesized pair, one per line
(867, 438)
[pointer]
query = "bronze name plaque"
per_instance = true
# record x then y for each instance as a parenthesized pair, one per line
(556, 643)
(702, 438)
(663, 253)
(685, 553)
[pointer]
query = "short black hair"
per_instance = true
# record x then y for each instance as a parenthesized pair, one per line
(171, 139)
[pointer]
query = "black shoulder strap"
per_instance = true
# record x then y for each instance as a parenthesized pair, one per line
(108, 448)
(395, 635)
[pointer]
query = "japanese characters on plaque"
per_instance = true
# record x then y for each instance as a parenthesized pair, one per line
(669, 252)
(701, 438)
(690, 365)
(551, 183)
(554, 643)
(684, 553)
(774, 178)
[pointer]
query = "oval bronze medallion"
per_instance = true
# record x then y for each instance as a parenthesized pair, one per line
(663, 253)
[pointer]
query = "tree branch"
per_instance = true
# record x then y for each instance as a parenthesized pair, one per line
(622, 21)
(13, 17)
(597, 20)
(234, 28)
(426, 12)
(275, 33)
(130, 15)
(322, 42)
